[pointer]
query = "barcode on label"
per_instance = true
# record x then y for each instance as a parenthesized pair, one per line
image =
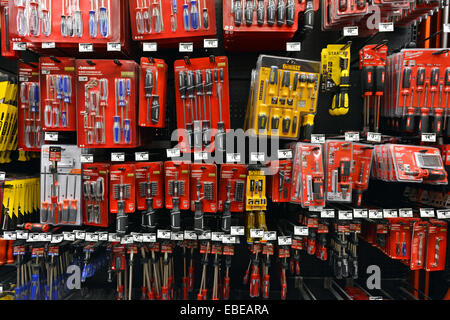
(186, 47)
(150, 46)
(210, 43)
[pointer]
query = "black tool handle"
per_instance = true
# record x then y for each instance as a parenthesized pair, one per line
(226, 217)
(121, 219)
(198, 217)
(175, 216)
(260, 13)
(237, 12)
(308, 16)
(290, 12)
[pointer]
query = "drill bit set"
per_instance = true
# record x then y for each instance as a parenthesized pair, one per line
(29, 110)
(61, 185)
(57, 81)
(283, 97)
(172, 21)
(203, 107)
(152, 93)
(107, 103)
(251, 25)
(95, 179)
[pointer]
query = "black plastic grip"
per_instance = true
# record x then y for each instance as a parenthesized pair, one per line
(308, 16)
(121, 218)
(260, 13)
(198, 218)
(367, 80)
(237, 12)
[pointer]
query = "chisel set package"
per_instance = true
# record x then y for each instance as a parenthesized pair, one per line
(203, 105)
(107, 95)
(283, 97)
(172, 21)
(61, 185)
(265, 24)
(417, 91)
(57, 78)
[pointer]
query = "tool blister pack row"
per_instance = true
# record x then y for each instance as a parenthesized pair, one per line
(203, 103)
(57, 80)
(170, 22)
(283, 97)
(417, 91)
(107, 98)
(61, 185)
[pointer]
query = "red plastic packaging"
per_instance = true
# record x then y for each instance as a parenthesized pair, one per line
(178, 171)
(149, 174)
(122, 175)
(95, 190)
(418, 245)
(234, 176)
(203, 182)
(360, 174)
(338, 167)
(436, 245)
(6, 43)
(279, 184)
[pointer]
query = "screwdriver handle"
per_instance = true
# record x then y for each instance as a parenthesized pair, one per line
(410, 120)
(271, 12)
(290, 12)
(424, 120)
(437, 123)
(260, 13)
(237, 12)
(121, 219)
(308, 16)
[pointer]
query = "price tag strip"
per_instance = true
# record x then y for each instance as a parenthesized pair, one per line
(426, 212)
(237, 230)
(375, 214)
(317, 138)
(405, 213)
(360, 213)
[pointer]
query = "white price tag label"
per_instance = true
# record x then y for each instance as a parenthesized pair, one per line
(216, 236)
(163, 234)
(233, 157)
(375, 298)
(186, 47)
(19, 46)
(85, 47)
(103, 236)
(350, 31)
(293, 46)
(203, 155)
(33, 237)
(68, 236)
(48, 45)
(173, 153)
(149, 47)
(210, 43)
(148, 237)
(327, 213)
(113, 46)
(9, 235)
(118, 156)
(51, 136)
(177, 236)
(91, 237)
(390, 213)
(374, 136)
(128, 239)
(2, 175)
(317, 138)
(86, 158)
(428, 137)
(375, 214)
(21, 234)
(80, 234)
(285, 154)
(190, 235)
(137, 237)
(345, 215)
(405, 213)
(57, 238)
(301, 230)
(360, 213)
(46, 237)
(443, 213)
(446, 27)
(386, 27)
(426, 212)
(83, 78)
(352, 136)
(113, 237)
(206, 235)
(284, 241)
(45, 72)
(257, 156)
(141, 156)
(237, 230)
(228, 239)
(270, 236)
(256, 233)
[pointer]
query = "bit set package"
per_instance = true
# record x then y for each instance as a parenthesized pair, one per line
(95, 179)
(60, 185)
(170, 22)
(177, 196)
(255, 194)
(203, 103)
(335, 59)
(264, 24)
(279, 184)
(361, 169)
(417, 91)
(57, 78)
(29, 108)
(107, 98)
(152, 93)
(408, 163)
(283, 97)
(10, 116)
(233, 178)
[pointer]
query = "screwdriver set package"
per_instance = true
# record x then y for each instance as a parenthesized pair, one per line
(279, 184)
(233, 178)
(436, 245)
(95, 178)
(417, 91)
(251, 25)
(149, 185)
(338, 160)
(107, 101)
(67, 22)
(57, 78)
(398, 240)
(9, 114)
(408, 163)
(60, 185)
(255, 195)
(202, 98)
(361, 168)
(122, 199)
(29, 110)
(177, 180)
(418, 244)
(307, 187)
(283, 97)
(203, 187)
(159, 20)
(335, 70)
(152, 93)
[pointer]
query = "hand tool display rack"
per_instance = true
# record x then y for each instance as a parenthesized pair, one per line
(317, 281)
